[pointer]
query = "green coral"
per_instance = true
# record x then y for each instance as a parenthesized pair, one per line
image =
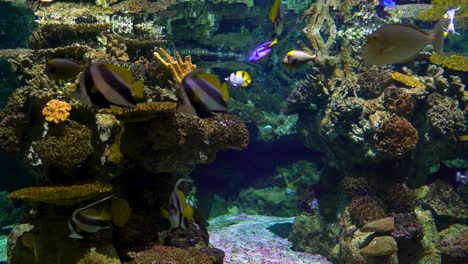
(65, 145)
(453, 61)
(439, 7)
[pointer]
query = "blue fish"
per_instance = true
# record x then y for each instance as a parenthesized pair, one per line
(262, 51)
(387, 3)
(462, 178)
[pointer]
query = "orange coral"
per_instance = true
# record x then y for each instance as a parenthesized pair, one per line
(56, 111)
(177, 68)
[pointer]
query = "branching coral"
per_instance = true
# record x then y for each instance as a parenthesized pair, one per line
(320, 24)
(365, 209)
(398, 101)
(66, 145)
(61, 195)
(445, 117)
(396, 137)
(453, 62)
(406, 80)
(56, 111)
(177, 68)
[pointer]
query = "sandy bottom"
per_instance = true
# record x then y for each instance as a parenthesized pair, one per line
(248, 239)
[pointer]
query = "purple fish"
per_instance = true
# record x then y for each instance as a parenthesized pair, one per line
(262, 51)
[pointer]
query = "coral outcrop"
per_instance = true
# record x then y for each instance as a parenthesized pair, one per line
(396, 137)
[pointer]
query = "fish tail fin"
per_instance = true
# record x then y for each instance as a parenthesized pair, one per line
(274, 42)
(224, 92)
(437, 36)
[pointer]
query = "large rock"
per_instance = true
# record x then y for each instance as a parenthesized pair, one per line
(380, 246)
(380, 225)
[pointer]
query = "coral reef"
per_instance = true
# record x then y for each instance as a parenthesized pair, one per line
(177, 68)
(454, 243)
(56, 111)
(399, 199)
(443, 200)
(399, 102)
(366, 209)
(439, 7)
(65, 145)
(445, 117)
(372, 82)
(453, 61)
(356, 186)
(396, 137)
(61, 195)
(161, 255)
(406, 80)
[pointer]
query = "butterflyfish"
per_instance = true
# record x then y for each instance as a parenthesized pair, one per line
(239, 78)
(297, 58)
(200, 94)
(398, 43)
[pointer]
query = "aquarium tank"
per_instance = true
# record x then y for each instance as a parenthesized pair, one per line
(233, 131)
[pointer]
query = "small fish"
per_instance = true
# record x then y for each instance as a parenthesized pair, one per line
(462, 178)
(398, 43)
(62, 69)
(387, 3)
(297, 58)
(277, 17)
(262, 51)
(450, 15)
(291, 191)
(267, 127)
(87, 220)
(179, 211)
(200, 94)
(463, 138)
(103, 85)
(239, 78)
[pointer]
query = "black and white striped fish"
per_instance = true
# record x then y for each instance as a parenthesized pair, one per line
(81, 224)
(201, 94)
(102, 85)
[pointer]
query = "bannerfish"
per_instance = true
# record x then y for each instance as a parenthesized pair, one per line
(239, 78)
(297, 58)
(398, 43)
(87, 220)
(262, 51)
(103, 85)
(200, 94)
(179, 211)
(277, 17)
(62, 69)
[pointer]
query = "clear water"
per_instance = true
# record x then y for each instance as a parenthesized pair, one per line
(332, 161)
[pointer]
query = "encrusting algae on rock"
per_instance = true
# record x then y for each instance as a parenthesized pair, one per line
(61, 195)
(406, 80)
